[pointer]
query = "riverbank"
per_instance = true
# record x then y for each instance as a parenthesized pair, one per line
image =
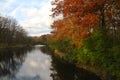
(101, 72)
(2, 46)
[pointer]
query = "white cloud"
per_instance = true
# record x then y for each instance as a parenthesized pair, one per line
(8, 3)
(35, 20)
(33, 64)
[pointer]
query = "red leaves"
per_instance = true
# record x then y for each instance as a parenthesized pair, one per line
(80, 17)
(90, 20)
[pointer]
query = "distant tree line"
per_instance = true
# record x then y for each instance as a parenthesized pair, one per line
(11, 32)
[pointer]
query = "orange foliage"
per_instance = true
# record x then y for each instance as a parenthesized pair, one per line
(81, 17)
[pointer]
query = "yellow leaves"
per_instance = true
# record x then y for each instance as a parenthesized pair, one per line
(58, 53)
(77, 43)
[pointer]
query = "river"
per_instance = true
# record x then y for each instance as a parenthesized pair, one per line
(37, 63)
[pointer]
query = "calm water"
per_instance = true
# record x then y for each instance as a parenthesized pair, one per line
(37, 64)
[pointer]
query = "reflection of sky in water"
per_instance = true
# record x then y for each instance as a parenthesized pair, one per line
(36, 67)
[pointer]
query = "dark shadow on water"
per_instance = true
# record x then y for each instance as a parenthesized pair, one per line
(64, 71)
(46, 50)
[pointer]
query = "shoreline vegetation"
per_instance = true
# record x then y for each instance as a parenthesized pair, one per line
(100, 72)
(99, 54)
(14, 46)
(88, 35)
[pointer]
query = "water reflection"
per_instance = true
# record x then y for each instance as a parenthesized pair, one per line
(65, 71)
(35, 64)
(11, 60)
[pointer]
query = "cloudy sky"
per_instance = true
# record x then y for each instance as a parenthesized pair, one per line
(33, 15)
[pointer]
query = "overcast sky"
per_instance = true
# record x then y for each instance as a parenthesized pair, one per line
(33, 15)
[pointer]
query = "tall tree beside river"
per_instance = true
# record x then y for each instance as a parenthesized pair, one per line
(88, 32)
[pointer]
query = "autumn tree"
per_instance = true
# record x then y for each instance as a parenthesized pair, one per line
(89, 32)
(86, 15)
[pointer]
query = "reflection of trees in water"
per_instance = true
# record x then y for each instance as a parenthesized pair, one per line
(11, 60)
(46, 50)
(63, 71)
